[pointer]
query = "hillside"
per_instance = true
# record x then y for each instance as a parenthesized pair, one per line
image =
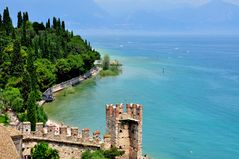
(33, 57)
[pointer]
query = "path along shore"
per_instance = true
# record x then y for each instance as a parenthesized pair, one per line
(14, 122)
(74, 81)
(77, 80)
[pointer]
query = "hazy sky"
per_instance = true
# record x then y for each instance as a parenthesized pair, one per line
(120, 6)
(158, 15)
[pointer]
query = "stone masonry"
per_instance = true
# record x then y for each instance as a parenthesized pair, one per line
(125, 128)
(69, 141)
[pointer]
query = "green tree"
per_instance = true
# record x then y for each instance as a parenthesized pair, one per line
(54, 23)
(112, 153)
(25, 17)
(48, 24)
(45, 72)
(19, 19)
(24, 34)
(43, 151)
(18, 62)
(58, 25)
(63, 25)
(32, 109)
(63, 68)
(92, 155)
(31, 70)
(7, 22)
(76, 65)
(1, 23)
(102, 154)
(25, 87)
(41, 115)
(38, 27)
(106, 62)
(12, 99)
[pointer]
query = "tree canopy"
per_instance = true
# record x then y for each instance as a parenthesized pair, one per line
(102, 154)
(34, 56)
(43, 151)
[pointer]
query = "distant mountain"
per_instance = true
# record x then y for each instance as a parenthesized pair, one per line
(214, 15)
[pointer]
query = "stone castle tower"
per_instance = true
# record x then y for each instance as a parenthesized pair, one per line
(125, 128)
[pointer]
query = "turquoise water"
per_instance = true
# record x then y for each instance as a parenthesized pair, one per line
(191, 110)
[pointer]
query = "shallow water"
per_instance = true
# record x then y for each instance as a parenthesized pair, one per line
(190, 109)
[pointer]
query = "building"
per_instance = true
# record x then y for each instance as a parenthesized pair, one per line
(10, 143)
(125, 129)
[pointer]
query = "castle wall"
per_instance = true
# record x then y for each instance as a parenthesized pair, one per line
(125, 128)
(66, 150)
(70, 142)
(124, 131)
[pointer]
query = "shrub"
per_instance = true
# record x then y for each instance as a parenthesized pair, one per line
(43, 151)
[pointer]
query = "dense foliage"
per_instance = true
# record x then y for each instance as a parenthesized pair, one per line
(102, 154)
(43, 151)
(106, 62)
(110, 68)
(33, 57)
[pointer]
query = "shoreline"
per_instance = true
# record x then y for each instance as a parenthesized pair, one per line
(69, 83)
(50, 121)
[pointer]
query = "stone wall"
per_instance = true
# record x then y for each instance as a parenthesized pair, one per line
(125, 128)
(124, 131)
(66, 150)
(69, 141)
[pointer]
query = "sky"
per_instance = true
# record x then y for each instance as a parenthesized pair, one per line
(135, 16)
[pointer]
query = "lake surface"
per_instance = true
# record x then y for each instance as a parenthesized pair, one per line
(191, 109)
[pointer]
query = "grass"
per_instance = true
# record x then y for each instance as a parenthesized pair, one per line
(105, 73)
(112, 71)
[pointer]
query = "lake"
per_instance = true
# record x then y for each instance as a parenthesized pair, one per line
(188, 85)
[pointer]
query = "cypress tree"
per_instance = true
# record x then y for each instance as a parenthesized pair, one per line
(32, 109)
(7, 22)
(25, 87)
(24, 34)
(58, 23)
(48, 24)
(13, 34)
(17, 63)
(54, 22)
(19, 19)
(31, 69)
(31, 101)
(63, 25)
(58, 26)
(72, 34)
(1, 22)
(25, 17)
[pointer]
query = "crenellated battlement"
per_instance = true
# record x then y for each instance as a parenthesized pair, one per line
(133, 111)
(61, 133)
(125, 128)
